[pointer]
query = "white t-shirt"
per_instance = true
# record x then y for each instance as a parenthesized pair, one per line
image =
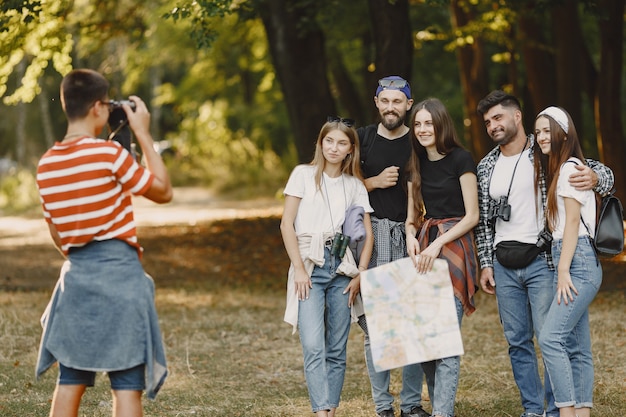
(316, 210)
(587, 200)
(525, 222)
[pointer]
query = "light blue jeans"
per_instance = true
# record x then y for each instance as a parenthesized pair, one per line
(524, 296)
(324, 325)
(445, 373)
(412, 377)
(565, 339)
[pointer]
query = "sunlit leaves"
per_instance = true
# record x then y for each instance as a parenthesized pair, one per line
(15, 12)
(37, 35)
(202, 14)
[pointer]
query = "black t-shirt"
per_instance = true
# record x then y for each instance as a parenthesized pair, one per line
(378, 153)
(441, 187)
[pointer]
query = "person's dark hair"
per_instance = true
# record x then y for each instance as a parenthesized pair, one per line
(446, 139)
(80, 89)
(497, 97)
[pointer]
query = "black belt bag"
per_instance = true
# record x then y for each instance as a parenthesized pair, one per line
(516, 255)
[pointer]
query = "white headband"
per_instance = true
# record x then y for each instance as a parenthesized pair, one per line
(558, 115)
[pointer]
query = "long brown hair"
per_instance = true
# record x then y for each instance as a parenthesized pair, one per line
(350, 165)
(562, 147)
(446, 139)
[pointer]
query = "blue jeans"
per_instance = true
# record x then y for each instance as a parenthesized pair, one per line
(565, 338)
(445, 373)
(412, 377)
(524, 296)
(324, 325)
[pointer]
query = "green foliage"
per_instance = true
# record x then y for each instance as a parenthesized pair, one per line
(202, 14)
(34, 35)
(227, 161)
(24, 10)
(182, 56)
(18, 191)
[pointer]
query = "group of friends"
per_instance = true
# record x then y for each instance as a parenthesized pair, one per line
(422, 196)
(524, 217)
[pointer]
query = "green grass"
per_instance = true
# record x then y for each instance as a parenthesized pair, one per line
(230, 353)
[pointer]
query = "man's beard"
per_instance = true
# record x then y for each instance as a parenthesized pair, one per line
(504, 141)
(509, 134)
(392, 125)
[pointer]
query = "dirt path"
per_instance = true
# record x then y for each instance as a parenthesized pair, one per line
(190, 206)
(195, 237)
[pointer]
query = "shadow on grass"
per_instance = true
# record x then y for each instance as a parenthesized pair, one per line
(220, 297)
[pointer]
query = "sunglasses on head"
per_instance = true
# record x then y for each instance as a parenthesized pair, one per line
(385, 83)
(334, 119)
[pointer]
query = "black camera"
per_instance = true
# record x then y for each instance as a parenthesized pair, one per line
(500, 209)
(340, 243)
(118, 123)
(544, 240)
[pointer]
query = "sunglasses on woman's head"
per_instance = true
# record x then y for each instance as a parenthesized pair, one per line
(334, 119)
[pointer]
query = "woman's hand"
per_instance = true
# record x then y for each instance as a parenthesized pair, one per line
(427, 258)
(565, 287)
(303, 284)
(354, 287)
(412, 248)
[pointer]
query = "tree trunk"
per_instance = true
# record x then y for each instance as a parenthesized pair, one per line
(539, 82)
(297, 48)
(348, 93)
(20, 121)
(393, 43)
(571, 58)
(474, 80)
(156, 74)
(608, 104)
(46, 119)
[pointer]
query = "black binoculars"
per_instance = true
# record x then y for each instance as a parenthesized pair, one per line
(339, 245)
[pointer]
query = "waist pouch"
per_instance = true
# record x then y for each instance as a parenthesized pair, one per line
(516, 255)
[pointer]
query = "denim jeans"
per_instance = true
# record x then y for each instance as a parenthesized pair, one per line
(412, 377)
(524, 296)
(445, 373)
(565, 339)
(324, 325)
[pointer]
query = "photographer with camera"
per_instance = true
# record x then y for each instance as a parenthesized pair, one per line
(512, 226)
(323, 280)
(101, 317)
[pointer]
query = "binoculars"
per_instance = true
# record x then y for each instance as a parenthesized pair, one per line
(339, 245)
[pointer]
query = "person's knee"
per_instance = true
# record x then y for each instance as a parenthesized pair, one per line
(66, 399)
(127, 403)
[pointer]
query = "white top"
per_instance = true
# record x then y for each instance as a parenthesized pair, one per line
(316, 210)
(587, 200)
(525, 222)
(313, 226)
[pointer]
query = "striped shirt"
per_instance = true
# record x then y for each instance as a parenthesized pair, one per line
(85, 189)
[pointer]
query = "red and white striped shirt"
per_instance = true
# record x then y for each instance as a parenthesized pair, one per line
(85, 189)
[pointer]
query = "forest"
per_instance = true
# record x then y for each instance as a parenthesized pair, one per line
(239, 89)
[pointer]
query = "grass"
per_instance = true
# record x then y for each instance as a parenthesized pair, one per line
(221, 298)
(230, 353)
